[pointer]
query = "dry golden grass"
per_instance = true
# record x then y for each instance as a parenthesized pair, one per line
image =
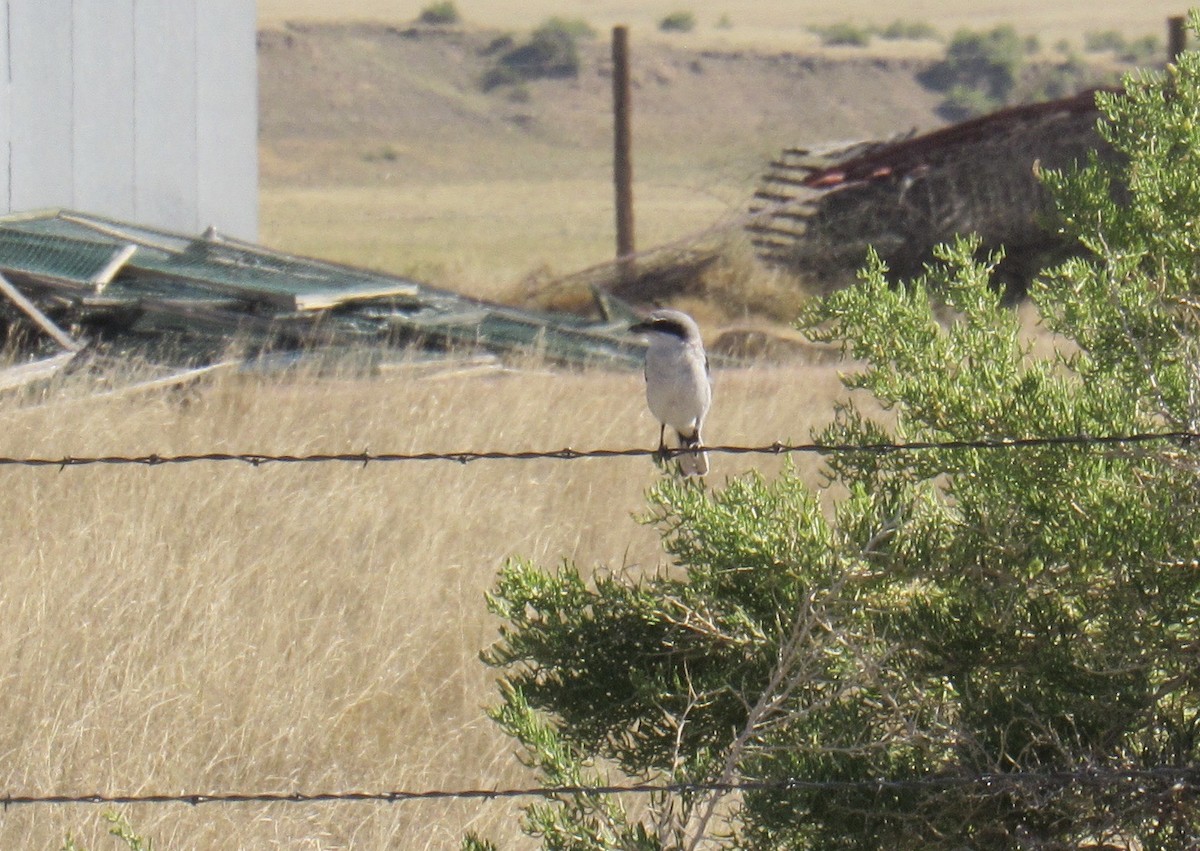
(480, 237)
(210, 628)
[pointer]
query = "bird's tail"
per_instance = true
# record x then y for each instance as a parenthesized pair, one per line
(695, 461)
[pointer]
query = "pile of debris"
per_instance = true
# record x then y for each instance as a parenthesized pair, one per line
(86, 281)
(816, 212)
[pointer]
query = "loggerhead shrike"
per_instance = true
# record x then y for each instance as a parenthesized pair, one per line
(677, 384)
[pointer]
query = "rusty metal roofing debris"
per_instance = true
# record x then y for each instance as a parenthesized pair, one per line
(817, 211)
(85, 278)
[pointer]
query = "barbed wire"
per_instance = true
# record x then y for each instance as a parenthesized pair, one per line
(1179, 779)
(259, 459)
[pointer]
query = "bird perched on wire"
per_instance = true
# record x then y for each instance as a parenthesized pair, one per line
(678, 389)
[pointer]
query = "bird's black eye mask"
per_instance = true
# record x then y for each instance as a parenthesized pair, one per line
(663, 326)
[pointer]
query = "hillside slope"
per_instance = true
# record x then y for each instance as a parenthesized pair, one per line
(341, 103)
(379, 147)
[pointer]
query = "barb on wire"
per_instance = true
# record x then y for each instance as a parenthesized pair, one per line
(259, 459)
(1178, 778)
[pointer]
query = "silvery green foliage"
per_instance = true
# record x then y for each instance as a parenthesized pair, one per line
(953, 613)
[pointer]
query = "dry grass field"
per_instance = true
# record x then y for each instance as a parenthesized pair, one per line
(211, 628)
(480, 247)
(216, 628)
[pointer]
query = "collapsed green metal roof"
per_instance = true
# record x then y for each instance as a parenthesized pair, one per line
(115, 278)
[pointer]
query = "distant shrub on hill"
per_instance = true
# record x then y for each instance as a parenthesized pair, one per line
(681, 21)
(551, 51)
(980, 71)
(1102, 40)
(1061, 79)
(441, 12)
(989, 61)
(575, 27)
(984, 71)
(1142, 50)
(843, 34)
(966, 101)
(847, 34)
(910, 30)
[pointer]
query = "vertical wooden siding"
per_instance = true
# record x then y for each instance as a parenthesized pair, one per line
(5, 119)
(41, 103)
(138, 109)
(227, 109)
(103, 132)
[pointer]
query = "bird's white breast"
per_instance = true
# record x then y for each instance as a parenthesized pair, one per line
(677, 385)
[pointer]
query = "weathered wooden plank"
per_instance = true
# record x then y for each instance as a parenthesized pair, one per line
(771, 245)
(111, 229)
(614, 309)
(785, 179)
(40, 319)
(778, 197)
(174, 379)
(773, 229)
(24, 374)
(798, 213)
(104, 276)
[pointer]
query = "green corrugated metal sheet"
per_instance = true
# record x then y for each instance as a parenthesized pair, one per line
(212, 287)
(271, 279)
(68, 258)
(253, 274)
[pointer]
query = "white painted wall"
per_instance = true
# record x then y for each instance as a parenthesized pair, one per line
(144, 110)
(5, 110)
(103, 128)
(227, 109)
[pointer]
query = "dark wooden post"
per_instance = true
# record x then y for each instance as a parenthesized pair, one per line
(1176, 37)
(622, 146)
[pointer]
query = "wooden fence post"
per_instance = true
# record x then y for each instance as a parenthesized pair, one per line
(1176, 37)
(622, 148)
